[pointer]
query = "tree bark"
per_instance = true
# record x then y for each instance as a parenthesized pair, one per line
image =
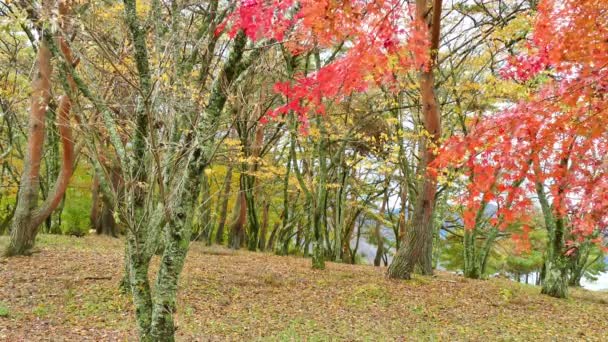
(237, 227)
(416, 252)
(378, 228)
(219, 235)
(28, 216)
(264, 227)
(555, 269)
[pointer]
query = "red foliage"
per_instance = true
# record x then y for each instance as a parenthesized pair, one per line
(558, 137)
(379, 39)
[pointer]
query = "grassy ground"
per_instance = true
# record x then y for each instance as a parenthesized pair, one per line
(68, 292)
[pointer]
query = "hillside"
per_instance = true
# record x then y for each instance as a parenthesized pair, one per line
(68, 291)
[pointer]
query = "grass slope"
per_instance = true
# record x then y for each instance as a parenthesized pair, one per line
(68, 292)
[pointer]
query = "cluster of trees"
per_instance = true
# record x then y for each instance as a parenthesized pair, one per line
(474, 131)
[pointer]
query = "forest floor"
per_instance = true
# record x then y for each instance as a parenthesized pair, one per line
(69, 292)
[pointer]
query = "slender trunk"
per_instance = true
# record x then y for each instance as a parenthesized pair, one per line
(252, 216)
(237, 226)
(247, 183)
(219, 234)
(204, 227)
(340, 201)
(94, 215)
(286, 224)
(401, 226)
(53, 222)
(319, 216)
(472, 268)
(378, 228)
(579, 262)
(273, 235)
(264, 227)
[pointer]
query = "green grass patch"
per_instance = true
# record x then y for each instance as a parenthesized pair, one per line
(369, 294)
(4, 311)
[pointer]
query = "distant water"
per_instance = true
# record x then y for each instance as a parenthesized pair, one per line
(601, 284)
(368, 251)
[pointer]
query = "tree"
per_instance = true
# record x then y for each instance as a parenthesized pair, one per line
(357, 63)
(28, 215)
(555, 141)
(417, 250)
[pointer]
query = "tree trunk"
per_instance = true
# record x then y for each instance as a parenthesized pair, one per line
(416, 252)
(139, 264)
(555, 279)
(95, 215)
(177, 230)
(204, 228)
(273, 236)
(264, 227)
(252, 215)
(219, 234)
(253, 225)
(319, 216)
(579, 262)
(53, 167)
(378, 229)
(237, 226)
(555, 269)
(28, 216)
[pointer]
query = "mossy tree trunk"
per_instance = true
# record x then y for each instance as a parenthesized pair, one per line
(554, 280)
(262, 240)
(178, 228)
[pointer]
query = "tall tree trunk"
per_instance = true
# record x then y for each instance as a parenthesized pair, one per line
(219, 234)
(417, 250)
(379, 225)
(102, 208)
(178, 229)
(204, 227)
(555, 269)
(95, 214)
(237, 226)
(53, 167)
(253, 225)
(28, 216)
(273, 236)
(579, 263)
(264, 227)
(252, 215)
(320, 215)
